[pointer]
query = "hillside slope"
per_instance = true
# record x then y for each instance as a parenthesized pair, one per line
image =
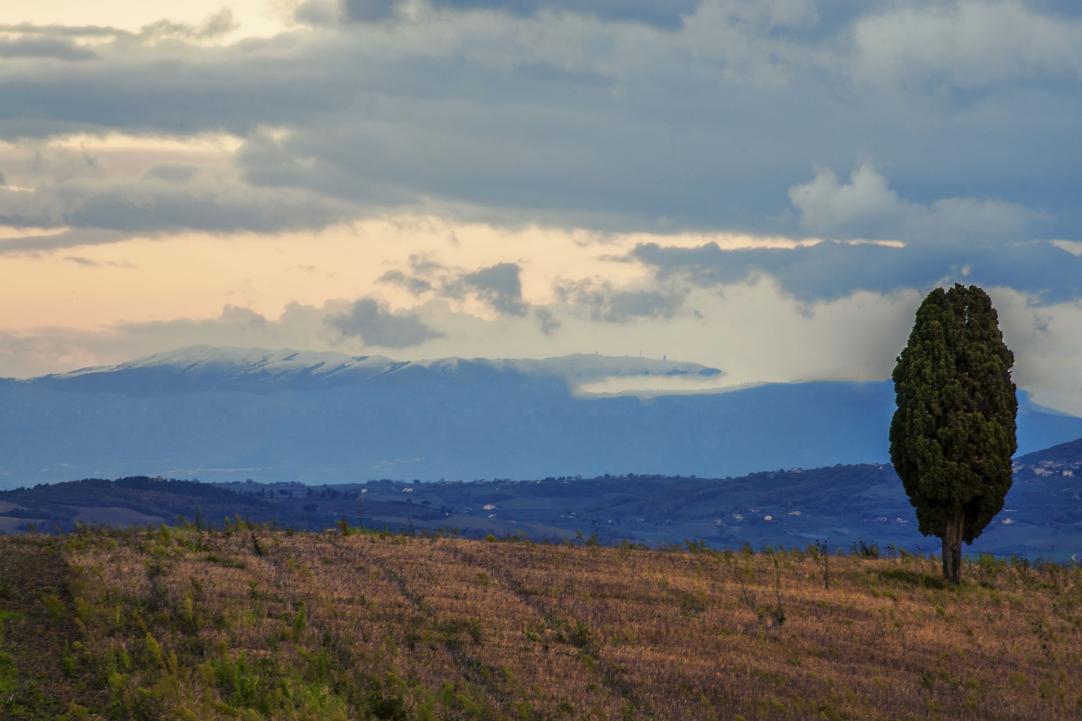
(1066, 456)
(251, 624)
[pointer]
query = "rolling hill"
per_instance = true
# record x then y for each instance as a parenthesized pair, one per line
(840, 506)
(254, 624)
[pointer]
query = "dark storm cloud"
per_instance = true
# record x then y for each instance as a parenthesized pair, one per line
(96, 212)
(375, 325)
(164, 209)
(832, 270)
(649, 129)
(634, 115)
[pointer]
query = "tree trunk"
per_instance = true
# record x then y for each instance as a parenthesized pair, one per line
(952, 549)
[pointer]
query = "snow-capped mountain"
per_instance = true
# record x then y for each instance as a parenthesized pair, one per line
(206, 367)
(229, 414)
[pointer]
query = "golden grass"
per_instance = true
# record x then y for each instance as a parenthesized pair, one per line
(253, 624)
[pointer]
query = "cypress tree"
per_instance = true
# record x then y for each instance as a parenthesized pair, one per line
(953, 433)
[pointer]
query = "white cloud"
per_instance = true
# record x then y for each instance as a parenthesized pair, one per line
(867, 207)
(1047, 345)
(864, 206)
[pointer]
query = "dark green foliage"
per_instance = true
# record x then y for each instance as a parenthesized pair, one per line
(953, 433)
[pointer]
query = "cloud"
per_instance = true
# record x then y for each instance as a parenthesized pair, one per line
(662, 13)
(213, 27)
(172, 172)
(666, 14)
(78, 260)
(56, 48)
(1047, 345)
(317, 12)
(547, 321)
(368, 10)
(625, 305)
(371, 321)
(91, 263)
(146, 208)
(329, 326)
(831, 270)
(219, 24)
(425, 275)
(650, 116)
(751, 329)
(93, 211)
(498, 286)
(69, 238)
(967, 44)
(607, 304)
(608, 115)
(414, 284)
(54, 349)
(866, 207)
(65, 31)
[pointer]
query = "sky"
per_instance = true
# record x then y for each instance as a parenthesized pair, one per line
(768, 187)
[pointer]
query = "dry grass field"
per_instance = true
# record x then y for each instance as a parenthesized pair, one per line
(254, 624)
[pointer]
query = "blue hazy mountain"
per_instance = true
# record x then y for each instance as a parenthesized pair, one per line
(229, 414)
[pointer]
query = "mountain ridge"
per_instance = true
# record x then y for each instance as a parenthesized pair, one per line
(240, 366)
(206, 414)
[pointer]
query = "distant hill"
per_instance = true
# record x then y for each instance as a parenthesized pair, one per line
(840, 506)
(230, 414)
(133, 501)
(1067, 454)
